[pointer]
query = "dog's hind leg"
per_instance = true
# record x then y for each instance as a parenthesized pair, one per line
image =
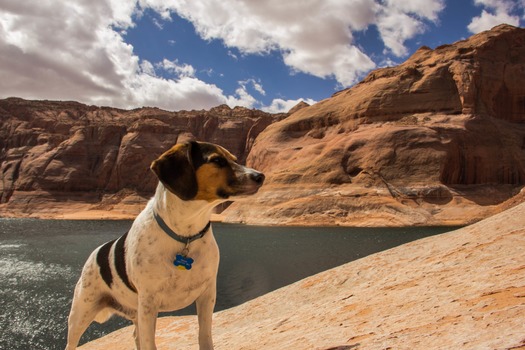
(83, 312)
(88, 302)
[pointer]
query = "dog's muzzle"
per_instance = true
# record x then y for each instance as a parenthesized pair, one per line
(248, 182)
(256, 177)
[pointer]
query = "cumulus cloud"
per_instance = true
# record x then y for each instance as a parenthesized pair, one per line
(76, 50)
(282, 106)
(314, 37)
(174, 67)
(494, 12)
(185, 93)
(399, 20)
(256, 84)
(243, 97)
(38, 54)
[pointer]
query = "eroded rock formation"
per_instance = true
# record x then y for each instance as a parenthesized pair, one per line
(439, 139)
(62, 156)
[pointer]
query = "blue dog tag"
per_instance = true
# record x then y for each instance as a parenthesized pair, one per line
(182, 262)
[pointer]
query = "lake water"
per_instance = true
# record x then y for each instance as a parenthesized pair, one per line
(41, 260)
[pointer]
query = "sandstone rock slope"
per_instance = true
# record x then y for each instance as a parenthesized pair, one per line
(460, 290)
(439, 139)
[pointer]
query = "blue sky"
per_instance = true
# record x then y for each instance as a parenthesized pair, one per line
(155, 40)
(188, 54)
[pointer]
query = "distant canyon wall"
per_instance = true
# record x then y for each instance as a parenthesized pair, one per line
(66, 153)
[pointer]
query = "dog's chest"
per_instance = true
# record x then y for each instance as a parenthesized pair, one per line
(175, 287)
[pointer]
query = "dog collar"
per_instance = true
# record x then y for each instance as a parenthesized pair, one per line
(182, 239)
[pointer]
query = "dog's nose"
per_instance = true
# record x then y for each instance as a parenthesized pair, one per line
(257, 177)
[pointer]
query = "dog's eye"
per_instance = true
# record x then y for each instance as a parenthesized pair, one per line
(219, 161)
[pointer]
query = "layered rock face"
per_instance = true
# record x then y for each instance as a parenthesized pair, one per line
(58, 157)
(439, 139)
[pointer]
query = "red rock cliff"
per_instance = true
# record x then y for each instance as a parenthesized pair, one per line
(439, 139)
(65, 153)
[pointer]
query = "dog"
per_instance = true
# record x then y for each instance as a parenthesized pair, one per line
(169, 258)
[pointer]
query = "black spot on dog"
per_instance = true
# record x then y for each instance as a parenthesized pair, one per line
(120, 262)
(103, 263)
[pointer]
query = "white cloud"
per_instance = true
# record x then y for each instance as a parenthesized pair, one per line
(147, 68)
(59, 51)
(501, 5)
(184, 94)
(181, 70)
(314, 36)
(400, 20)
(488, 20)
(242, 95)
(255, 84)
(395, 27)
(242, 98)
(71, 51)
(387, 62)
(76, 50)
(234, 56)
(421, 9)
(494, 12)
(282, 106)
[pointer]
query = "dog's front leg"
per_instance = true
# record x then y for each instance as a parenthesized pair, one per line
(147, 321)
(205, 304)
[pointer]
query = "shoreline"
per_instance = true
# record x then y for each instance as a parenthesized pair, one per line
(317, 207)
(95, 215)
(89, 215)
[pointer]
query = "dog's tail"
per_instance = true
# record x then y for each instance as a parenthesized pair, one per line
(104, 315)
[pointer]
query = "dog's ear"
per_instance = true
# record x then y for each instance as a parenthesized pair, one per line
(195, 154)
(176, 169)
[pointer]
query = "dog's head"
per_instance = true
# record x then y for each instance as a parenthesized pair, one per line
(204, 171)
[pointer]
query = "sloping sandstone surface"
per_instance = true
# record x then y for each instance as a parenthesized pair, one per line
(437, 140)
(459, 290)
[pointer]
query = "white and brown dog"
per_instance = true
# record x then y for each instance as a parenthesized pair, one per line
(169, 258)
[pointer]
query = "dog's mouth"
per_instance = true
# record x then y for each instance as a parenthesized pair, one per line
(248, 187)
(238, 191)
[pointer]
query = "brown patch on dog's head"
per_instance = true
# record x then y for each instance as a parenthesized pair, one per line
(216, 175)
(204, 171)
